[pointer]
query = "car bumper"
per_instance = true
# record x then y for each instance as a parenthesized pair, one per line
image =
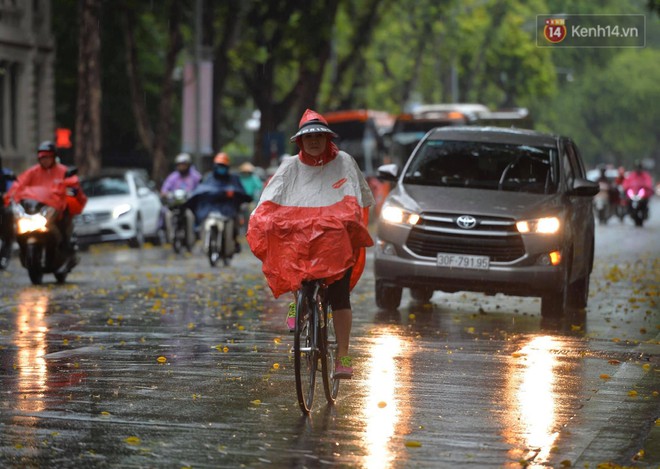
(526, 276)
(112, 231)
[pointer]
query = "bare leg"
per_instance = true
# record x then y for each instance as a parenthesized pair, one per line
(343, 320)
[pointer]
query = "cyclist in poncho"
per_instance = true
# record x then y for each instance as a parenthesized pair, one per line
(311, 223)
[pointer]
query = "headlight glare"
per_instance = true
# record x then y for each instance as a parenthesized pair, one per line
(394, 214)
(548, 225)
(30, 223)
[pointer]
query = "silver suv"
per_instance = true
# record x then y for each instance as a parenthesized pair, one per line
(490, 210)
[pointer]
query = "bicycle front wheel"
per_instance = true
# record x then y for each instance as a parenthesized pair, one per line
(305, 351)
(328, 355)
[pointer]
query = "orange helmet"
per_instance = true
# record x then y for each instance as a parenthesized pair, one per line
(221, 158)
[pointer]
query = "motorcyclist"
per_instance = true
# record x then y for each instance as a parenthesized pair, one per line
(219, 191)
(638, 179)
(253, 186)
(607, 185)
(6, 218)
(48, 173)
(185, 177)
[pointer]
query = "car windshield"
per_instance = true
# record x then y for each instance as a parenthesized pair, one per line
(106, 185)
(484, 165)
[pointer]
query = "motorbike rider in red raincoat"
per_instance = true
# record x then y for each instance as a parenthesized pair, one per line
(48, 173)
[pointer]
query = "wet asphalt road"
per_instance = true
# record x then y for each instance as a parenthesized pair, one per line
(148, 359)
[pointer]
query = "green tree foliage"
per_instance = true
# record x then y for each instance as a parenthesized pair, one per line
(282, 56)
(603, 94)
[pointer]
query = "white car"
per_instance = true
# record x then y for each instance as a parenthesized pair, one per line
(120, 207)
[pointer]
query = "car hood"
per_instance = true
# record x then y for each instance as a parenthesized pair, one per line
(476, 202)
(106, 203)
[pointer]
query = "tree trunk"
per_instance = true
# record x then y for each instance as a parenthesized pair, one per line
(154, 142)
(135, 82)
(160, 164)
(87, 154)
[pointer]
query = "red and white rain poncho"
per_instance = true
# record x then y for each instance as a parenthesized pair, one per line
(311, 220)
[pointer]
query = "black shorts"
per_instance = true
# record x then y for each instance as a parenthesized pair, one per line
(339, 292)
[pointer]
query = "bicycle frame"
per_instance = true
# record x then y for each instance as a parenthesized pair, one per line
(314, 341)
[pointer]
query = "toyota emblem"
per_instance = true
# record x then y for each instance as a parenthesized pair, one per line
(466, 222)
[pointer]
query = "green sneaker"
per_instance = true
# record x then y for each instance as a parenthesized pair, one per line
(291, 317)
(344, 368)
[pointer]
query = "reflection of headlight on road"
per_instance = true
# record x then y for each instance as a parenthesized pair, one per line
(549, 225)
(119, 210)
(394, 214)
(30, 223)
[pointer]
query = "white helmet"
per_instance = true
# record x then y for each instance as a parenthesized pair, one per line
(182, 158)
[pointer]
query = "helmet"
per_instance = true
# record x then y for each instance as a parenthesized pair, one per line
(246, 167)
(221, 158)
(312, 122)
(183, 158)
(46, 148)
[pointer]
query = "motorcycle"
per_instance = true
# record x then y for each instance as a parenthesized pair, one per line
(216, 209)
(638, 204)
(218, 235)
(179, 221)
(39, 234)
(6, 225)
(602, 207)
(621, 205)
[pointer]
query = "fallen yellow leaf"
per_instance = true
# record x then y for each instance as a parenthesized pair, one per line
(161, 359)
(605, 376)
(413, 444)
(132, 440)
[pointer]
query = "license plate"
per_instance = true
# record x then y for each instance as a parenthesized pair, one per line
(463, 261)
(86, 229)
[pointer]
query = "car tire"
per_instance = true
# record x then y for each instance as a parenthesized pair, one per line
(555, 303)
(387, 296)
(421, 295)
(137, 241)
(61, 277)
(579, 292)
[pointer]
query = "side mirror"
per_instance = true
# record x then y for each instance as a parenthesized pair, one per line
(143, 191)
(584, 188)
(388, 172)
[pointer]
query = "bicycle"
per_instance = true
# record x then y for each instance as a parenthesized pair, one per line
(314, 341)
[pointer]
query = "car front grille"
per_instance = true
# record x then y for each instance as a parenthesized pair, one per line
(92, 218)
(493, 237)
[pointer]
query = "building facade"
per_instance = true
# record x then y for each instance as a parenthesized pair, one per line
(27, 82)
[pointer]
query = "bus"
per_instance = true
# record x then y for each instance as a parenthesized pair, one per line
(362, 134)
(409, 128)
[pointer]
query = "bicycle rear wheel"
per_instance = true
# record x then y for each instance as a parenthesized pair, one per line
(305, 350)
(329, 355)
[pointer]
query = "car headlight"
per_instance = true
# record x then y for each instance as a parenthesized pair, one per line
(119, 210)
(548, 225)
(394, 214)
